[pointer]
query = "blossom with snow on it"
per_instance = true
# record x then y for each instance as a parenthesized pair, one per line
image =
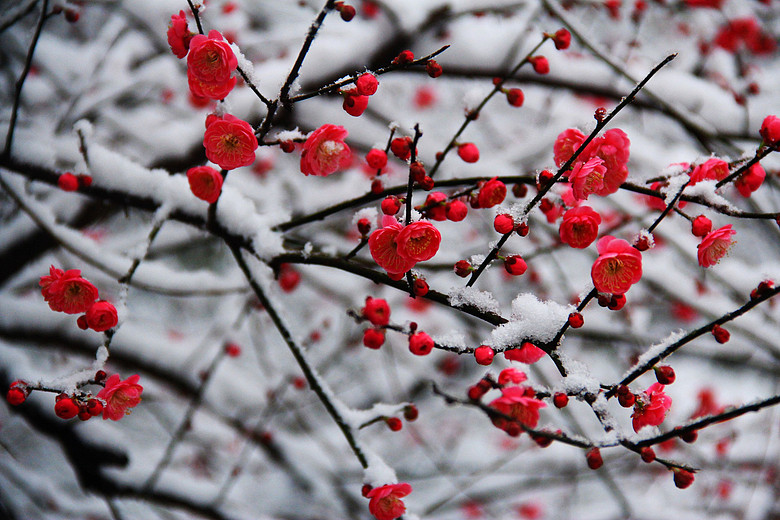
(712, 169)
(67, 291)
(230, 142)
(516, 404)
(325, 151)
(618, 266)
(386, 503)
(119, 396)
(715, 245)
(651, 407)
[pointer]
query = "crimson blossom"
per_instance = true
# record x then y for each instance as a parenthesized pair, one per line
(651, 407)
(179, 35)
(715, 245)
(67, 291)
(712, 169)
(229, 141)
(396, 248)
(386, 503)
(205, 183)
(119, 396)
(587, 178)
(612, 148)
(770, 130)
(516, 404)
(580, 227)
(618, 266)
(101, 316)
(325, 151)
(528, 353)
(210, 64)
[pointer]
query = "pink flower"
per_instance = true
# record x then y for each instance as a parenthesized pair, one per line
(179, 35)
(205, 183)
(651, 407)
(751, 180)
(618, 266)
(587, 178)
(211, 59)
(67, 291)
(119, 396)
(492, 193)
(580, 227)
(712, 169)
(715, 245)
(101, 316)
(229, 142)
(386, 503)
(770, 130)
(384, 248)
(566, 144)
(325, 151)
(514, 403)
(419, 241)
(528, 353)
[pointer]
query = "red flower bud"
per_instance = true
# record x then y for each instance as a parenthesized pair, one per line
(484, 355)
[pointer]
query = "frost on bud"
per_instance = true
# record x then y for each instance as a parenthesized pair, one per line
(593, 457)
(420, 344)
(515, 265)
(503, 223)
(463, 268)
(515, 97)
(391, 205)
(373, 338)
(562, 39)
(540, 64)
(468, 152)
(404, 58)
(664, 374)
(484, 355)
(721, 335)
(560, 400)
(682, 478)
(700, 226)
(367, 84)
(433, 69)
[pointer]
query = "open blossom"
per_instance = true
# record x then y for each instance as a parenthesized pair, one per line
(715, 245)
(618, 266)
(179, 35)
(398, 248)
(712, 169)
(580, 227)
(514, 403)
(205, 183)
(419, 241)
(211, 59)
(119, 396)
(612, 148)
(386, 503)
(67, 291)
(492, 193)
(383, 246)
(587, 178)
(325, 151)
(651, 407)
(101, 316)
(751, 180)
(230, 142)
